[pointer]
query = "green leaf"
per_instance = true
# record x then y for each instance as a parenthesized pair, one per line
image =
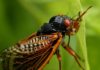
(19, 18)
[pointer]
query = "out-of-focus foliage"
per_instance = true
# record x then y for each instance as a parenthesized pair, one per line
(20, 18)
(93, 33)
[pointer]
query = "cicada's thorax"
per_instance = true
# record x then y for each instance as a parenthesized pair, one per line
(56, 24)
(34, 45)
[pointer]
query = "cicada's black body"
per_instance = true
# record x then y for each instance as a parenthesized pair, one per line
(56, 24)
(34, 52)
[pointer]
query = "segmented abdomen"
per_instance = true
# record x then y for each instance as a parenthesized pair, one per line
(33, 45)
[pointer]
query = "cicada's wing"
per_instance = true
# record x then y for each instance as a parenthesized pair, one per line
(28, 38)
(29, 54)
(32, 62)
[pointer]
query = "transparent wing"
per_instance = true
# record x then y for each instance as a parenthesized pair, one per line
(28, 54)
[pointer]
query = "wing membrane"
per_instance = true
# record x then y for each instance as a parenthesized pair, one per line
(31, 60)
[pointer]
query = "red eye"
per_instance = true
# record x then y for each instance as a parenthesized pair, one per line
(67, 22)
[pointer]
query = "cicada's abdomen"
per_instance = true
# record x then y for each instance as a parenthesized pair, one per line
(33, 45)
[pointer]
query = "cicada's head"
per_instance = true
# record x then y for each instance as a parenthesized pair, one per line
(65, 24)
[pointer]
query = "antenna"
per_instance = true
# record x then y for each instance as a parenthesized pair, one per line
(81, 15)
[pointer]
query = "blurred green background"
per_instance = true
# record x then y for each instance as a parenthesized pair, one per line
(20, 18)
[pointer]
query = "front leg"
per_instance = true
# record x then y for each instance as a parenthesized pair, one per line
(72, 52)
(59, 58)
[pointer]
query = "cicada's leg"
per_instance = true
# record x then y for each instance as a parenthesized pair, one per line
(72, 52)
(59, 58)
(53, 51)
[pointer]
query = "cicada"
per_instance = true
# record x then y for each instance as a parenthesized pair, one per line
(34, 52)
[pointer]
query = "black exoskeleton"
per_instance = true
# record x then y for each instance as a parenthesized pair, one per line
(56, 24)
